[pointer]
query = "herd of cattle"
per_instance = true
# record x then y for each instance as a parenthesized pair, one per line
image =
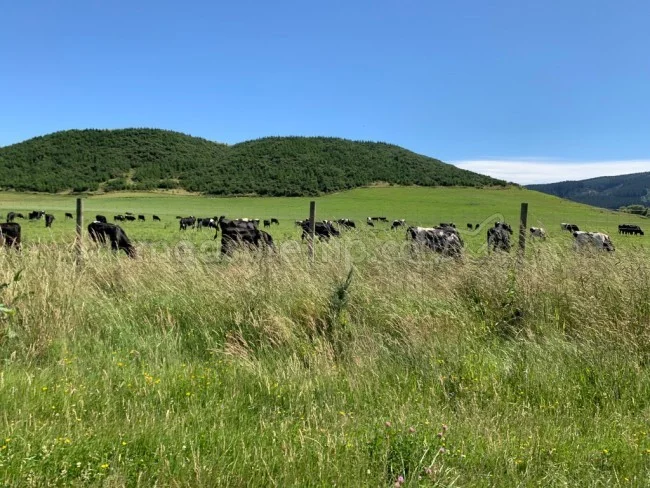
(443, 239)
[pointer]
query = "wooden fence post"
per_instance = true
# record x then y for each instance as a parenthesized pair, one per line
(312, 230)
(523, 224)
(80, 223)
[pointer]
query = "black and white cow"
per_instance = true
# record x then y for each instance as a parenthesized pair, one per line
(10, 235)
(592, 240)
(102, 232)
(442, 240)
(370, 222)
(347, 223)
(36, 214)
(570, 227)
(498, 237)
(118, 218)
(538, 232)
(397, 223)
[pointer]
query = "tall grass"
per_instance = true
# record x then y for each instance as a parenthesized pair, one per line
(185, 370)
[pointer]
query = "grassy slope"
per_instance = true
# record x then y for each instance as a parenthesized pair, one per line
(255, 372)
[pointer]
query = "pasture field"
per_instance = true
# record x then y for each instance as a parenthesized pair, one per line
(418, 206)
(357, 370)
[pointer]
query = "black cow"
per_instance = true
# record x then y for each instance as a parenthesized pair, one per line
(118, 218)
(156, 218)
(101, 218)
(238, 234)
(128, 213)
(629, 229)
(267, 223)
(49, 218)
(324, 229)
(101, 232)
(36, 214)
(397, 223)
(141, 217)
(186, 222)
(129, 218)
(470, 226)
(10, 235)
(68, 215)
(498, 237)
(11, 216)
(275, 221)
(477, 226)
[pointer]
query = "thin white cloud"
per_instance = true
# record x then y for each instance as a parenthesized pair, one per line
(527, 171)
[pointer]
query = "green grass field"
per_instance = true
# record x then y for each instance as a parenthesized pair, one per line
(266, 370)
(419, 206)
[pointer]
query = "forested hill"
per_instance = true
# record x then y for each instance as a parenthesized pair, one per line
(145, 159)
(606, 191)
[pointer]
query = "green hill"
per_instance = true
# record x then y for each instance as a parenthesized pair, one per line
(146, 159)
(605, 191)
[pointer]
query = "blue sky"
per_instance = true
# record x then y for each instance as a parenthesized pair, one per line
(536, 89)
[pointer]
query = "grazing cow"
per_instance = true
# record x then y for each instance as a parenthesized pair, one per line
(477, 226)
(101, 218)
(570, 227)
(128, 213)
(629, 229)
(186, 222)
(470, 226)
(156, 218)
(498, 237)
(11, 216)
(129, 218)
(20, 216)
(275, 221)
(68, 215)
(324, 230)
(369, 222)
(538, 232)
(347, 223)
(118, 218)
(442, 240)
(36, 215)
(10, 235)
(397, 223)
(267, 223)
(594, 240)
(238, 234)
(141, 218)
(101, 232)
(49, 218)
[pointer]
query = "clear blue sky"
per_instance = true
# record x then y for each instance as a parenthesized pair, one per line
(457, 80)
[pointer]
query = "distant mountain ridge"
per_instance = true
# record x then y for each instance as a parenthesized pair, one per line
(606, 191)
(146, 159)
